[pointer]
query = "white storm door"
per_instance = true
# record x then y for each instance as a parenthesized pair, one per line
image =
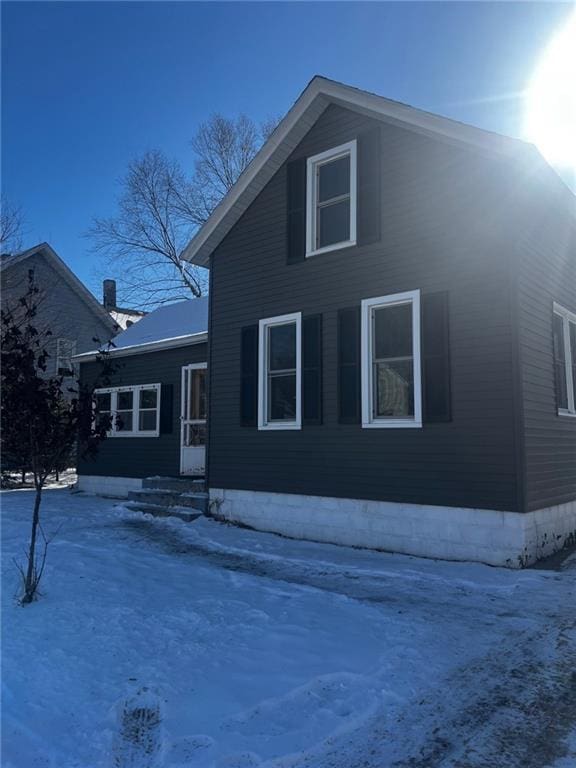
(193, 420)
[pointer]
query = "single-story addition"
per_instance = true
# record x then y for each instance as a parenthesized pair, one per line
(157, 399)
(392, 337)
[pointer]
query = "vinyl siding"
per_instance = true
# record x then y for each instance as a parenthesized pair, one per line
(60, 309)
(546, 268)
(144, 456)
(442, 229)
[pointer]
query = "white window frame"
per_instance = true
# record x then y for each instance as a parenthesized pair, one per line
(135, 389)
(60, 356)
(312, 164)
(368, 305)
(263, 326)
(567, 318)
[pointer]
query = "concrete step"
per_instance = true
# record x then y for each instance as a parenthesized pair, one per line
(195, 500)
(165, 498)
(184, 513)
(181, 484)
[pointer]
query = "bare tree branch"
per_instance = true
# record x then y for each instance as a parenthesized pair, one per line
(11, 226)
(160, 209)
(143, 242)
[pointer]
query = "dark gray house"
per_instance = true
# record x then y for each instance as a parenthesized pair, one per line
(66, 306)
(392, 335)
(157, 398)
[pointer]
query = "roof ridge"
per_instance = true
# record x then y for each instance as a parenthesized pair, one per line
(73, 280)
(313, 100)
(428, 112)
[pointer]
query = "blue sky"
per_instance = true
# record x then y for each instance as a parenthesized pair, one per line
(88, 86)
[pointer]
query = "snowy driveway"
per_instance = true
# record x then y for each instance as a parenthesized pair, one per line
(234, 649)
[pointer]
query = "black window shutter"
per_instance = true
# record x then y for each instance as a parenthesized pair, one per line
(166, 409)
(296, 172)
(369, 205)
(436, 400)
(560, 389)
(349, 365)
(312, 369)
(249, 376)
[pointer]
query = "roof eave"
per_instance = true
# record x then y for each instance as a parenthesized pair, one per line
(199, 249)
(75, 283)
(139, 349)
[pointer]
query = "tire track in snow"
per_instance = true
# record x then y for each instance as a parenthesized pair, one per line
(514, 708)
(366, 587)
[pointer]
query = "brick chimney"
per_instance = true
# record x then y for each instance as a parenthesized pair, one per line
(109, 294)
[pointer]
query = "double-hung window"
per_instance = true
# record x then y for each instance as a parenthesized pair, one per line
(65, 351)
(331, 196)
(391, 376)
(564, 340)
(279, 369)
(129, 411)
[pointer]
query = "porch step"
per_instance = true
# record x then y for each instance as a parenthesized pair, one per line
(180, 484)
(184, 497)
(186, 514)
(162, 497)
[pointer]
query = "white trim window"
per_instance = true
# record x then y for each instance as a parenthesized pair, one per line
(279, 372)
(130, 411)
(564, 340)
(65, 351)
(391, 373)
(331, 179)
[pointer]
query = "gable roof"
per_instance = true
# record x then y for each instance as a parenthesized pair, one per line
(8, 261)
(172, 325)
(319, 93)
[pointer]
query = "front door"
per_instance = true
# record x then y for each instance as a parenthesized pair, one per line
(193, 420)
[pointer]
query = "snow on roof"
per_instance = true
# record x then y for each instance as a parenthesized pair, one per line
(172, 321)
(125, 317)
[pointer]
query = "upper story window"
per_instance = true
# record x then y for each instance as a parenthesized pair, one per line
(564, 338)
(279, 368)
(331, 196)
(131, 411)
(391, 388)
(65, 351)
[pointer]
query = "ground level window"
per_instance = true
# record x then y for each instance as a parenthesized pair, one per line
(130, 411)
(125, 411)
(564, 347)
(280, 372)
(103, 407)
(391, 391)
(148, 410)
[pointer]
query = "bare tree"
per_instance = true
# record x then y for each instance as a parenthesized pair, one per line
(224, 148)
(160, 209)
(11, 226)
(143, 242)
(40, 421)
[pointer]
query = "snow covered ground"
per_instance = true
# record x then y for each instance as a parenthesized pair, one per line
(158, 643)
(66, 479)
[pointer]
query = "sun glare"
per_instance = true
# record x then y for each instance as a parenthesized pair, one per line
(551, 100)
